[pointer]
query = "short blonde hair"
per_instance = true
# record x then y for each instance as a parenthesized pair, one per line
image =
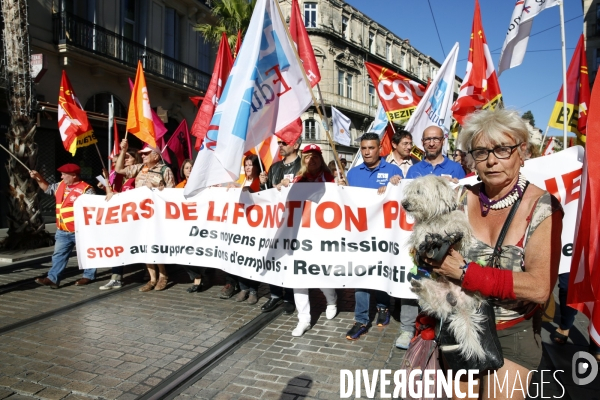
(493, 125)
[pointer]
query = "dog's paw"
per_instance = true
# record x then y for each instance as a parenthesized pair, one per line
(454, 237)
(431, 243)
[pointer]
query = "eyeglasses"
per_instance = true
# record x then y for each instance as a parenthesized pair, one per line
(282, 144)
(435, 139)
(500, 152)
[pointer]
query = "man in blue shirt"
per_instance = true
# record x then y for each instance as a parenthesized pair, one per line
(373, 173)
(434, 162)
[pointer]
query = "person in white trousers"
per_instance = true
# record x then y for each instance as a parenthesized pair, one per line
(303, 307)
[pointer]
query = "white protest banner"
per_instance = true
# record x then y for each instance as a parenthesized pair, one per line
(312, 235)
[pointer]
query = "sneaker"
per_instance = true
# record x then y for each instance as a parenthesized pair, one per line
(112, 284)
(331, 311)
(227, 291)
(241, 296)
(403, 340)
(300, 329)
(356, 331)
(383, 316)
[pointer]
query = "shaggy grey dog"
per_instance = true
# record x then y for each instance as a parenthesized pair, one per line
(439, 225)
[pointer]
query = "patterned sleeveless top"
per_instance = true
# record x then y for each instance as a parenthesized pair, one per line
(512, 257)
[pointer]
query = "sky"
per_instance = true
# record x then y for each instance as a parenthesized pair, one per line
(534, 85)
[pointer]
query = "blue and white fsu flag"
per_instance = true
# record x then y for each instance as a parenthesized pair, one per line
(377, 126)
(341, 127)
(264, 93)
(434, 107)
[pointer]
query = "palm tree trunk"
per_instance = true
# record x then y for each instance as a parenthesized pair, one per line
(25, 223)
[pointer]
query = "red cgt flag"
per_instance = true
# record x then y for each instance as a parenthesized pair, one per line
(305, 50)
(578, 96)
(584, 282)
(480, 89)
(220, 74)
(399, 95)
(73, 124)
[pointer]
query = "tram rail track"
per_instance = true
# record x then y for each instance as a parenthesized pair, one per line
(195, 369)
(179, 380)
(71, 307)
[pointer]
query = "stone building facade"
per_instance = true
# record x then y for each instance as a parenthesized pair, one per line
(343, 38)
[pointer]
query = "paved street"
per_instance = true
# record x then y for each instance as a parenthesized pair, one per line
(123, 344)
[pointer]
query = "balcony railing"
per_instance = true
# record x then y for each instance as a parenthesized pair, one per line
(349, 104)
(72, 30)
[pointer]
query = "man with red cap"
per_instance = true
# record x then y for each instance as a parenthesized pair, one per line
(66, 192)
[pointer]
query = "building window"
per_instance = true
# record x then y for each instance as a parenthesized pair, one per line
(340, 83)
(345, 27)
(129, 19)
(349, 86)
(311, 129)
(171, 33)
(388, 51)
(203, 56)
(372, 42)
(403, 60)
(420, 70)
(99, 103)
(372, 96)
(310, 15)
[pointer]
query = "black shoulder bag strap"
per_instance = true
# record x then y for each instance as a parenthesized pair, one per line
(495, 258)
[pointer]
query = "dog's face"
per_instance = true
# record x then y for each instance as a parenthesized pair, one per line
(428, 197)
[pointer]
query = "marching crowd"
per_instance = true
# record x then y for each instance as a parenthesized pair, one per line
(493, 144)
(133, 169)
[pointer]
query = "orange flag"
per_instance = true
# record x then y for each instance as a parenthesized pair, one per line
(139, 118)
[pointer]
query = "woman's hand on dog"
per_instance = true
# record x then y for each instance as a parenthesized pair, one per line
(451, 266)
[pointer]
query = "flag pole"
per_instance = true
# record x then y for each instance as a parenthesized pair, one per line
(111, 116)
(544, 138)
(564, 67)
(262, 169)
(315, 102)
(15, 157)
(100, 155)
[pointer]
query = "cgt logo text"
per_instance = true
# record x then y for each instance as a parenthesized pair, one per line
(432, 383)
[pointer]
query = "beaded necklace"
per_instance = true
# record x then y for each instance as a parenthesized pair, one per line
(508, 200)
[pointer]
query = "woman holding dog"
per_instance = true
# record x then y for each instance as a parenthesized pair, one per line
(519, 278)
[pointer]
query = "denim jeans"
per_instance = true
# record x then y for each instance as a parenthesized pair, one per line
(64, 244)
(363, 298)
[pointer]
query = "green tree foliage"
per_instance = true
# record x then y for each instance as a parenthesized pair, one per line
(528, 115)
(232, 16)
